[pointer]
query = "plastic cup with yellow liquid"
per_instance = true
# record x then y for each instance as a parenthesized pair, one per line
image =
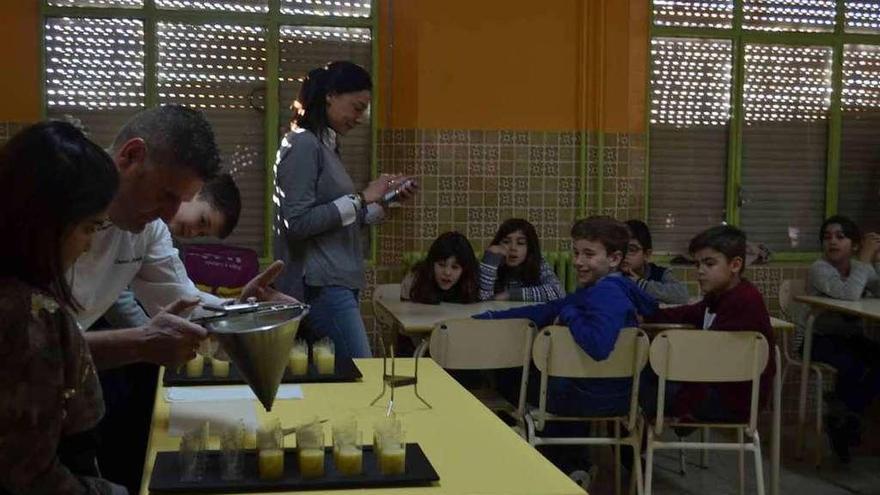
(389, 446)
(324, 356)
(270, 451)
(299, 358)
(195, 367)
(347, 451)
(310, 450)
(219, 369)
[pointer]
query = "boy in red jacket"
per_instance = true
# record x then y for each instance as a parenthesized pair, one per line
(730, 303)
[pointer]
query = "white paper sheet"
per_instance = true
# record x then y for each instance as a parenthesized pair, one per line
(186, 416)
(227, 392)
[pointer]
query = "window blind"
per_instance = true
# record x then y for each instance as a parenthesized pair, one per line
(690, 13)
(862, 16)
(97, 3)
(789, 15)
(330, 8)
(220, 69)
(690, 110)
(859, 196)
(94, 73)
(221, 5)
(787, 95)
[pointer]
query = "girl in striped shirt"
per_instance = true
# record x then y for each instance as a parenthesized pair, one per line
(513, 268)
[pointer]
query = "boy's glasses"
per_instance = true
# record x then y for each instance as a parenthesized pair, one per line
(633, 248)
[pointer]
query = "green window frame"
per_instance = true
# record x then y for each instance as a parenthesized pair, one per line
(739, 37)
(271, 20)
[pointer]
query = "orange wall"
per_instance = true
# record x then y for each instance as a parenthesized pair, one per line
(19, 61)
(509, 64)
(487, 64)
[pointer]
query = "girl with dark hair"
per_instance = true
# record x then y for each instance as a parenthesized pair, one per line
(849, 269)
(55, 187)
(448, 274)
(513, 268)
(319, 214)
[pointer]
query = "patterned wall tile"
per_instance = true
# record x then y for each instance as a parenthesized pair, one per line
(474, 179)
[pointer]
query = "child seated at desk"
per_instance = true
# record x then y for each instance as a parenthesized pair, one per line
(513, 268)
(448, 274)
(55, 188)
(730, 303)
(838, 339)
(655, 280)
(605, 303)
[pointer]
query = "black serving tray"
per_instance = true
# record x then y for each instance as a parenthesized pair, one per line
(166, 474)
(345, 371)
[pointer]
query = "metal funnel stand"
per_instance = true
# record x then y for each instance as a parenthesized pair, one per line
(258, 339)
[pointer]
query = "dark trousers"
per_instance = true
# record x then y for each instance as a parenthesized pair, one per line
(857, 360)
(124, 431)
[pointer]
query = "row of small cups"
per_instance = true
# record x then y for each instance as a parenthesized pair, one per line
(323, 356)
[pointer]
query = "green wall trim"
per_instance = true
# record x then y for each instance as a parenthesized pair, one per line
(799, 258)
(733, 191)
(271, 122)
(646, 201)
(41, 32)
(832, 171)
(375, 103)
(600, 171)
(151, 56)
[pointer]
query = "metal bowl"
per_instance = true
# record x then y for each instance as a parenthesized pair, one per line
(259, 344)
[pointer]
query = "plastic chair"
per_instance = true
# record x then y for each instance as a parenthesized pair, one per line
(384, 320)
(469, 344)
(708, 357)
(556, 354)
(793, 312)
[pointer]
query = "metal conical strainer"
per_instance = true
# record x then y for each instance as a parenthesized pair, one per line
(258, 342)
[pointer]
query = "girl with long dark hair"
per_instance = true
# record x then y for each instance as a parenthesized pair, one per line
(513, 268)
(55, 187)
(448, 274)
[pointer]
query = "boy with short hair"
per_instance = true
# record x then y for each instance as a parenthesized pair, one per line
(213, 212)
(730, 303)
(838, 338)
(605, 303)
(653, 279)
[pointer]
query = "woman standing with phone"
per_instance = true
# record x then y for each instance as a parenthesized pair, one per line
(319, 214)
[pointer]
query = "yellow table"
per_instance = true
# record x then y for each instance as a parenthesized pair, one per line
(471, 449)
(863, 308)
(415, 318)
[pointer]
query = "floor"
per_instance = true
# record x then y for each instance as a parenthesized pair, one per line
(798, 477)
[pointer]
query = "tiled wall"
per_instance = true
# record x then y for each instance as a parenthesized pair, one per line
(473, 180)
(766, 278)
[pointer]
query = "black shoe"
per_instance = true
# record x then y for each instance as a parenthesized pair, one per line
(840, 438)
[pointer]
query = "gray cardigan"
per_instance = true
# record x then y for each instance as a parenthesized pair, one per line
(317, 224)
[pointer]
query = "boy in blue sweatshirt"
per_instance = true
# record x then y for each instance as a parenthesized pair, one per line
(604, 303)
